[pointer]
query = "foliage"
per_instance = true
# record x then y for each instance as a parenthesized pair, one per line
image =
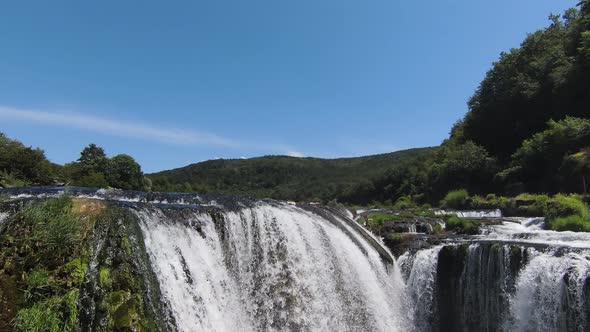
(563, 206)
(456, 199)
(124, 173)
(51, 229)
(95, 169)
(465, 165)
(573, 223)
(41, 317)
(545, 78)
(350, 180)
(540, 158)
(21, 165)
(463, 226)
(404, 203)
(50, 283)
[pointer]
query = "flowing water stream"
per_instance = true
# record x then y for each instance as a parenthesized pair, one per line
(513, 277)
(226, 264)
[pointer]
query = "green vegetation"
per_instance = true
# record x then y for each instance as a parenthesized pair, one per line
(45, 253)
(21, 165)
(36, 251)
(574, 223)
(563, 212)
(24, 166)
(455, 199)
(462, 225)
(289, 178)
(94, 169)
(527, 130)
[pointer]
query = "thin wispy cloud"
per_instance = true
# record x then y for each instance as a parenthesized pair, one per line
(116, 127)
(143, 131)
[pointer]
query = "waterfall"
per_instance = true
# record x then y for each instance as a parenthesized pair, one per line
(516, 278)
(270, 267)
(552, 293)
(204, 263)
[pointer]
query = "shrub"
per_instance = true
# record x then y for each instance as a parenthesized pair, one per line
(573, 223)
(54, 231)
(568, 213)
(56, 314)
(395, 238)
(437, 228)
(404, 203)
(563, 206)
(455, 199)
(478, 202)
(41, 317)
(38, 284)
(463, 226)
(530, 205)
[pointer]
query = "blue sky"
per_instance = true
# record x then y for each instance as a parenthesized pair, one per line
(172, 83)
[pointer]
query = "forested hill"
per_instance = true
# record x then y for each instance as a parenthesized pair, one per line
(283, 177)
(527, 129)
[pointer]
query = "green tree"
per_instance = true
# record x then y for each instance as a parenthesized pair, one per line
(93, 159)
(545, 78)
(465, 165)
(124, 172)
(540, 157)
(23, 165)
(575, 171)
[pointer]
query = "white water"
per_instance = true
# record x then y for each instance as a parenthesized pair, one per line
(530, 231)
(471, 214)
(547, 293)
(538, 304)
(271, 268)
(420, 272)
(3, 216)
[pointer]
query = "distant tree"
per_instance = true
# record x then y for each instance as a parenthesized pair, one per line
(93, 158)
(465, 165)
(537, 162)
(576, 169)
(23, 165)
(547, 77)
(124, 172)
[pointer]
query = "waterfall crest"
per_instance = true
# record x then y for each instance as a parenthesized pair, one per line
(270, 267)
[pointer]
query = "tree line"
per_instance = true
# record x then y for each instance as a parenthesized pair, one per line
(25, 166)
(527, 129)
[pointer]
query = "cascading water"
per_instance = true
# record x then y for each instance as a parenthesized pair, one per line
(270, 267)
(515, 277)
(224, 264)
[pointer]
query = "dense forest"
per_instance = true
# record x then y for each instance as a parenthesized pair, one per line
(282, 177)
(527, 129)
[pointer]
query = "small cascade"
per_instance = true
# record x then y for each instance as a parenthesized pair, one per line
(419, 271)
(552, 293)
(516, 278)
(477, 214)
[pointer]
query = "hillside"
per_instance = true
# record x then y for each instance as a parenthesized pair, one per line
(282, 177)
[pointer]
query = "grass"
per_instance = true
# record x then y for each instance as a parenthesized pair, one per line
(455, 199)
(52, 230)
(463, 226)
(573, 223)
